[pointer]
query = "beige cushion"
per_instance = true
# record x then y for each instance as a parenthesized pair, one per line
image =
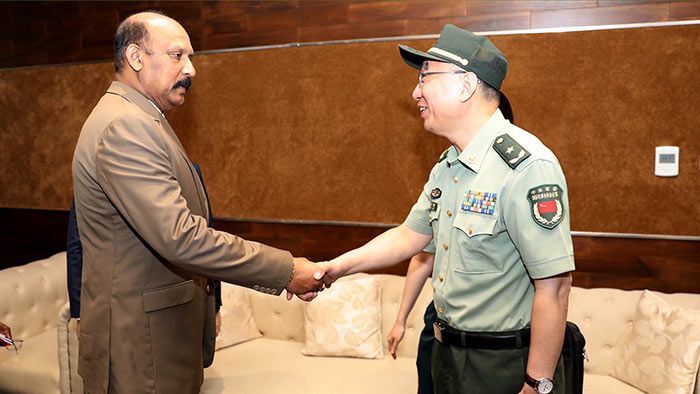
(237, 323)
(662, 352)
(34, 370)
(602, 384)
(272, 366)
(345, 320)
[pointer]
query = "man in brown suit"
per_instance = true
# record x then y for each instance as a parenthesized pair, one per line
(142, 217)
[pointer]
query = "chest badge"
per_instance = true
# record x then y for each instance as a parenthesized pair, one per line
(546, 205)
(436, 193)
(480, 202)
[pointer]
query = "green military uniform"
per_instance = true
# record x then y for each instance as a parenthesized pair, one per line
(499, 215)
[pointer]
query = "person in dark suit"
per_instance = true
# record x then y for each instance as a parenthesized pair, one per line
(74, 262)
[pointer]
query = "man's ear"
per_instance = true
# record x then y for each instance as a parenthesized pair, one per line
(469, 86)
(133, 57)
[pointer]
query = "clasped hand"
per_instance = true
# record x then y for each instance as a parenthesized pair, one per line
(311, 278)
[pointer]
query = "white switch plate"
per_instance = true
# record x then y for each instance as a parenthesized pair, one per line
(666, 161)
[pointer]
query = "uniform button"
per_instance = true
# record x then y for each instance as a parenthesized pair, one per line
(470, 231)
(455, 179)
(208, 289)
(445, 246)
(440, 310)
(472, 159)
(449, 213)
(441, 278)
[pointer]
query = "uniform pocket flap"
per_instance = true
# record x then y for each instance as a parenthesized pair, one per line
(475, 224)
(168, 296)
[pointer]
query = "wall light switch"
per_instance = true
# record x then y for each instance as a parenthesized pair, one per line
(666, 161)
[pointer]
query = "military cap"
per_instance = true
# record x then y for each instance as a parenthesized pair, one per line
(465, 50)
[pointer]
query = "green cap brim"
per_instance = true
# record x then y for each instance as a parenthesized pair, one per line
(415, 58)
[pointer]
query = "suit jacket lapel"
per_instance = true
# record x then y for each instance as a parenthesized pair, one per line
(132, 95)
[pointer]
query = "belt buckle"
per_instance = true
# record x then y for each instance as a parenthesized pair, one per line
(437, 330)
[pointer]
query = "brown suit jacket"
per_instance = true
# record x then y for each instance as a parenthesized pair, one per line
(142, 218)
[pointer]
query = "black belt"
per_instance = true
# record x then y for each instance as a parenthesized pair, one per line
(479, 340)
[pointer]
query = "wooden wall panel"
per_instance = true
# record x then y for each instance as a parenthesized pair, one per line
(626, 263)
(340, 118)
(51, 32)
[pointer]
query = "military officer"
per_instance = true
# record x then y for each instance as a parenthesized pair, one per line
(496, 206)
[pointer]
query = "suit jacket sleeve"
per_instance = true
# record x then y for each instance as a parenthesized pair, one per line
(135, 167)
(74, 262)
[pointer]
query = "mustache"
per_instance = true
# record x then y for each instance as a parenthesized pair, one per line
(185, 83)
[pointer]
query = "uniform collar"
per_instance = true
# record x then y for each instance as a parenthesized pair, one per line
(134, 96)
(479, 146)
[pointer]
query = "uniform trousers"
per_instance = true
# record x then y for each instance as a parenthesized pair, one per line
(460, 370)
(425, 350)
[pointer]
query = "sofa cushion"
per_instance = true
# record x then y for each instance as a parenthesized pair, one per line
(274, 366)
(597, 384)
(662, 352)
(345, 320)
(237, 323)
(34, 369)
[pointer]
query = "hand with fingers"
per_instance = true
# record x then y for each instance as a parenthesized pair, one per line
(395, 336)
(306, 280)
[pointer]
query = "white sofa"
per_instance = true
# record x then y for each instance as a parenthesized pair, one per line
(31, 297)
(34, 298)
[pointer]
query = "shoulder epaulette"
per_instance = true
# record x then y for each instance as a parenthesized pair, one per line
(443, 156)
(510, 151)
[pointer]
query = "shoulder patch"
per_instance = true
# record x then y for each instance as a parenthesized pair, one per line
(546, 205)
(443, 156)
(510, 151)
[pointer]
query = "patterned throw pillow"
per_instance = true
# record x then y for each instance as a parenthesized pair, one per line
(345, 320)
(662, 352)
(237, 323)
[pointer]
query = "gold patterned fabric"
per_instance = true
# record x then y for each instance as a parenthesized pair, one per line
(345, 320)
(237, 323)
(662, 352)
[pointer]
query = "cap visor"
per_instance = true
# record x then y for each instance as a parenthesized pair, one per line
(415, 58)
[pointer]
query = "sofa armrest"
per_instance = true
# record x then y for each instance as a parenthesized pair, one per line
(69, 380)
(32, 295)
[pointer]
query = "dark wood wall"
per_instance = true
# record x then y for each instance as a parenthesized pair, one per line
(50, 33)
(38, 33)
(626, 263)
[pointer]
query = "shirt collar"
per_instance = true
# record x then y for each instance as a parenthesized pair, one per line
(156, 107)
(479, 146)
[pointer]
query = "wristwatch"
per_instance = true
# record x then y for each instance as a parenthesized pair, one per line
(542, 386)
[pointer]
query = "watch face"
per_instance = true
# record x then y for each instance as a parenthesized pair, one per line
(544, 386)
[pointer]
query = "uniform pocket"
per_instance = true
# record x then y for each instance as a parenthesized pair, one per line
(473, 225)
(168, 296)
(475, 239)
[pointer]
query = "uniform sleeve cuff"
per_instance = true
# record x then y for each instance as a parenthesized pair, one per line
(551, 267)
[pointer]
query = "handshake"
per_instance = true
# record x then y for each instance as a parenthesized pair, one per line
(311, 278)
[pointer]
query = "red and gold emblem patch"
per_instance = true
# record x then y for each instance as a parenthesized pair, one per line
(546, 205)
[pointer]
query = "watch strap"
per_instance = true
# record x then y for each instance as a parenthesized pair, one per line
(535, 383)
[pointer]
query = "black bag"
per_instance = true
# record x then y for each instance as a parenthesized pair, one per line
(573, 352)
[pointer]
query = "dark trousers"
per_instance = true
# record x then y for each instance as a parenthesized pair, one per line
(425, 350)
(459, 370)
